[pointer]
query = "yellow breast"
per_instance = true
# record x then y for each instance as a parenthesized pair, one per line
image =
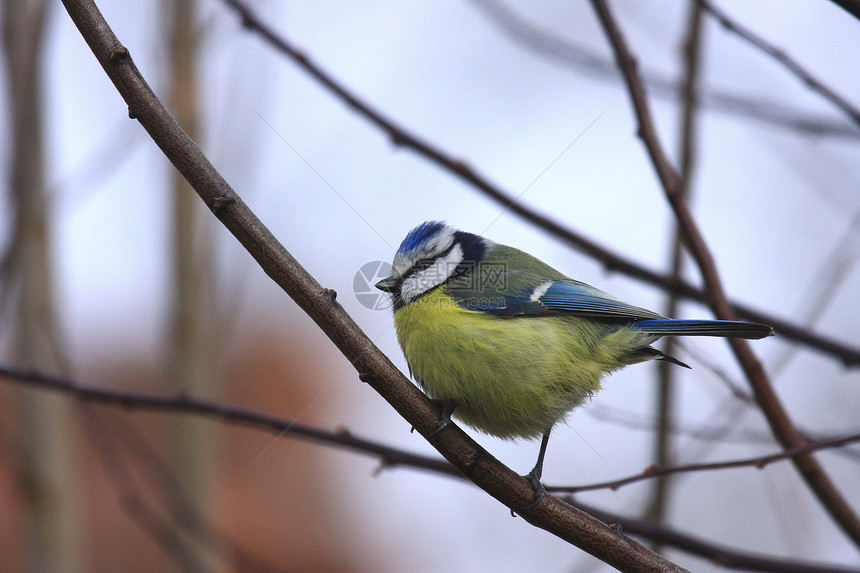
(510, 376)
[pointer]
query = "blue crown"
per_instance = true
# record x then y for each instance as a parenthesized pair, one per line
(420, 235)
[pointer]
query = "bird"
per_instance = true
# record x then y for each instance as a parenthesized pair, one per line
(508, 345)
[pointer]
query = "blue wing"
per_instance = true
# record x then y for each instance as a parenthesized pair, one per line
(553, 297)
(570, 297)
(574, 297)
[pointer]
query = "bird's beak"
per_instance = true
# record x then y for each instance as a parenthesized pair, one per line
(389, 284)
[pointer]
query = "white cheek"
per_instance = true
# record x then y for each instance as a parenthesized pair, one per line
(418, 284)
(431, 277)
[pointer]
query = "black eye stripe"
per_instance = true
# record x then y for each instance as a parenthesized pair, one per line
(422, 264)
(419, 266)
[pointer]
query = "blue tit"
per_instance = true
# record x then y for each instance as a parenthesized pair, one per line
(507, 344)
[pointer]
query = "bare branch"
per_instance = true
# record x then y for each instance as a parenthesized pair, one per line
(723, 556)
(781, 425)
(759, 462)
(783, 58)
(583, 60)
(613, 261)
(664, 388)
(231, 414)
(705, 432)
(344, 439)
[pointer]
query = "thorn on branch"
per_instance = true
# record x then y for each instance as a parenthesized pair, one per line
(384, 464)
(221, 202)
(119, 55)
(343, 432)
(366, 377)
(330, 294)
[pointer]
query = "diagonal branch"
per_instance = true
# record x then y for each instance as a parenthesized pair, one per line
(781, 425)
(551, 514)
(783, 58)
(585, 61)
(723, 556)
(613, 261)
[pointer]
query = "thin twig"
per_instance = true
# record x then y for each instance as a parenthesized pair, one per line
(702, 431)
(781, 425)
(759, 462)
(344, 439)
(783, 58)
(586, 61)
(611, 260)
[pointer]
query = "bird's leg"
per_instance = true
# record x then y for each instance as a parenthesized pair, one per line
(535, 475)
(447, 409)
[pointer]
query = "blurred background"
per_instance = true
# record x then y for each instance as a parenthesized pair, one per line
(116, 275)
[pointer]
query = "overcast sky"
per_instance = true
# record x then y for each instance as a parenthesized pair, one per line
(779, 209)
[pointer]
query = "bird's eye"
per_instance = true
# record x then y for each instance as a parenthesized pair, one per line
(422, 264)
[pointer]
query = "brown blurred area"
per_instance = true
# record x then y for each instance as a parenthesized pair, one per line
(97, 488)
(270, 499)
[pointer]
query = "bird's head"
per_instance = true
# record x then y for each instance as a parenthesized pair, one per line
(431, 254)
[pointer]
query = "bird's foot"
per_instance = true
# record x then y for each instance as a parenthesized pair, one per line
(540, 490)
(447, 410)
(439, 427)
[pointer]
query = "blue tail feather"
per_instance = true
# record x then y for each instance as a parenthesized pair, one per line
(726, 328)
